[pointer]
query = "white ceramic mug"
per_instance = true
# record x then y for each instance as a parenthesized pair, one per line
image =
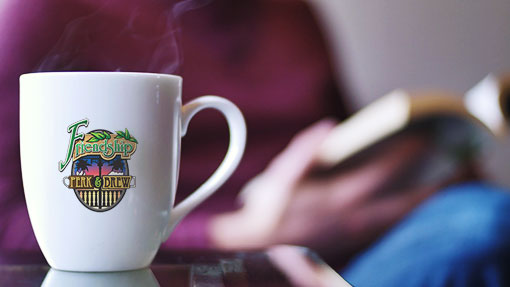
(100, 158)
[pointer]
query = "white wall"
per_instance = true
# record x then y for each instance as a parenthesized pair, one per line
(449, 44)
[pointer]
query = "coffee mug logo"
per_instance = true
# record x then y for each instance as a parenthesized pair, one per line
(99, 170)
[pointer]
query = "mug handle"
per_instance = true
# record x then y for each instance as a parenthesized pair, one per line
(237, 128)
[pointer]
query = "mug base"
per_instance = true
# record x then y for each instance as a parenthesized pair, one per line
(93, 269)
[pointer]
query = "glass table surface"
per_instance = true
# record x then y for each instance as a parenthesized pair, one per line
(276, 266)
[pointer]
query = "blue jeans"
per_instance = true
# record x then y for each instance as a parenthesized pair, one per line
(460, 237)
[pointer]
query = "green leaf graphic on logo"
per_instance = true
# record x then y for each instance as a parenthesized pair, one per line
(98, 135)
(120, 135)
(125, 135)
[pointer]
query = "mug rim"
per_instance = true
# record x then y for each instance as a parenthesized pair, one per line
(92, 73)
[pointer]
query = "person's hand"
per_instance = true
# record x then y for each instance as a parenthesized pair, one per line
(284, 205)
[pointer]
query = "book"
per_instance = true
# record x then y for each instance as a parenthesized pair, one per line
(486, 105)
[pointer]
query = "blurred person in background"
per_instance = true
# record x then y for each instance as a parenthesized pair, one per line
(268, 57)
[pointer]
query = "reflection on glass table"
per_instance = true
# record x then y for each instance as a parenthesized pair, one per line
(142, 277)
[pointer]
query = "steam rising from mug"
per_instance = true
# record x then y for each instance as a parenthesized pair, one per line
(122, 35)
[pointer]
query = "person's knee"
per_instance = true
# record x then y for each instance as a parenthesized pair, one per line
(475, 216)
(471, 221)
(462, 233)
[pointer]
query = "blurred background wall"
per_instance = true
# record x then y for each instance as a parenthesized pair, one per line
(381, 45)
(378, 46)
